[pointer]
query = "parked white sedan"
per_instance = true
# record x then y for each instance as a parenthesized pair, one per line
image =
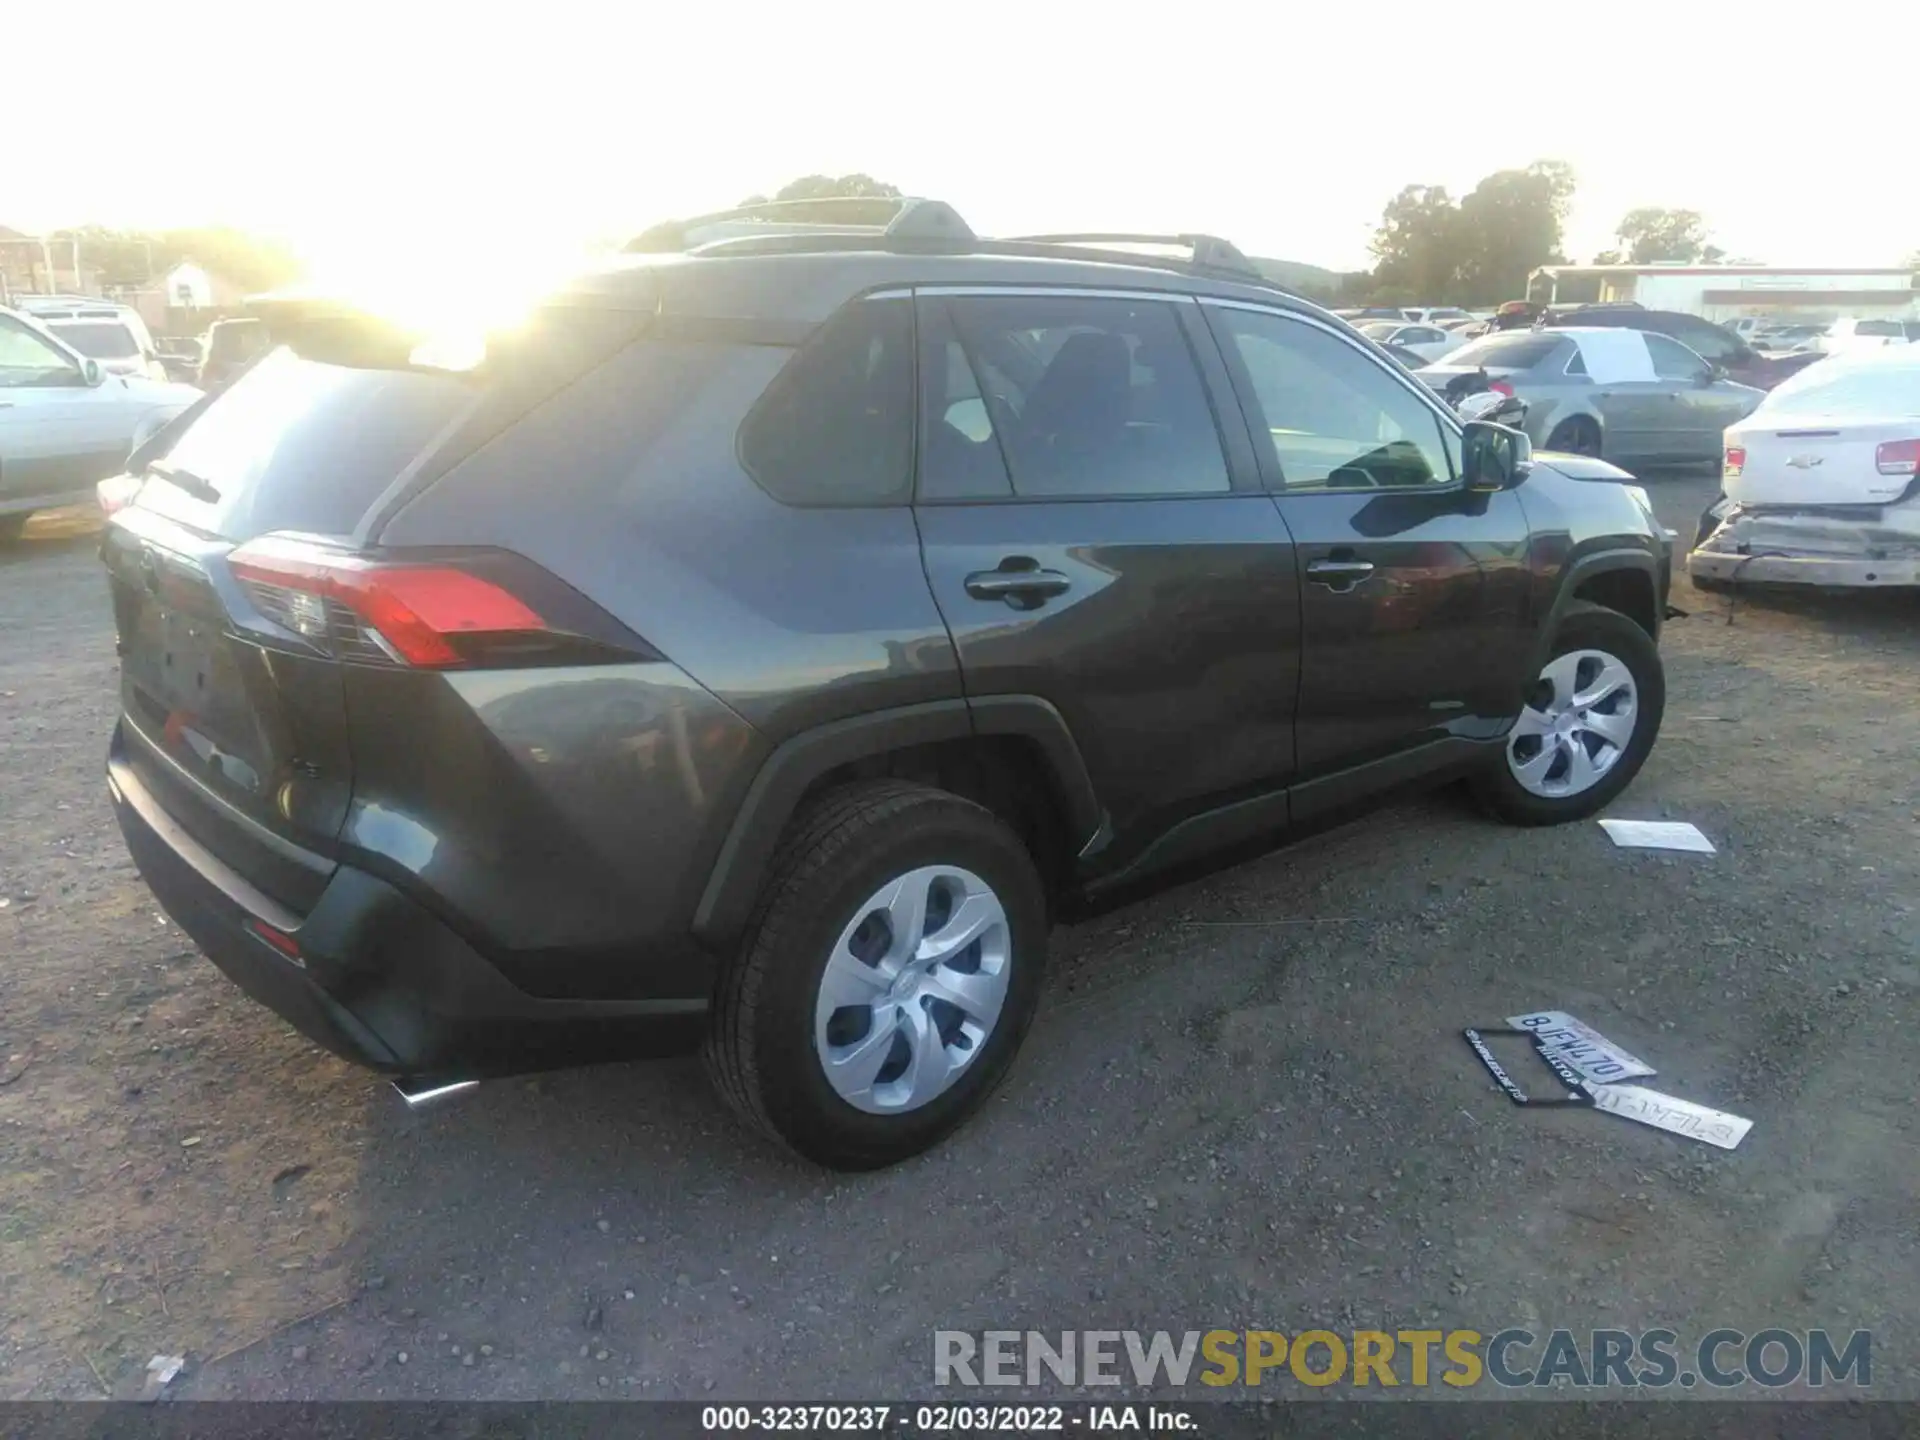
(1429, 342)
(65, 423)
(1820, 481)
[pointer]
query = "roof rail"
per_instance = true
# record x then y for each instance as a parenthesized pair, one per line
(895, 217)
(1207, 252)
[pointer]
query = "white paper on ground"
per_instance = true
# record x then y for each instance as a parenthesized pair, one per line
(1667, 1112)
(1658, 835)
(1589, 1053)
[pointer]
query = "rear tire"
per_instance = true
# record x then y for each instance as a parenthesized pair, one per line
(1539, 778)
(12, 526)
(1578, 436)
(773, 1036)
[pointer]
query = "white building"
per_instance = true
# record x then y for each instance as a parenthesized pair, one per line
(188, 287)
(1726, 292)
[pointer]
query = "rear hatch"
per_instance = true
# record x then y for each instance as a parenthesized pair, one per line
(1843, 432)
(234, 717)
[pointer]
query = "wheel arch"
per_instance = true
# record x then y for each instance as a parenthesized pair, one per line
(1012, 753)
(1622, 578)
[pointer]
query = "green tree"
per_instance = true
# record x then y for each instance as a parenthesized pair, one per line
(1416, 247)
(1609, 257)
(138, 257)
(1650, 234)
(1511, 224)
(830, 187)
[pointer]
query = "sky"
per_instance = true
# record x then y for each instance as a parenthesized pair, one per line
(412, 137)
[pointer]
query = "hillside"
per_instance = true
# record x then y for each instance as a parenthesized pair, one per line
(1296, 275)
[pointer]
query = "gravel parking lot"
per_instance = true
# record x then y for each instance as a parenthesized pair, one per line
(1245, 1102)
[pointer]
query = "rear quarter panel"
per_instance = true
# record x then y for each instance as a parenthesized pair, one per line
(627, 486)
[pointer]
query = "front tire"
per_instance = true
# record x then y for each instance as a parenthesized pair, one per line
(1589, 722)
(889, 974)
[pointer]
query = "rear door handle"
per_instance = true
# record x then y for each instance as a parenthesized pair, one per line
(1339, 575)
(1019, 588)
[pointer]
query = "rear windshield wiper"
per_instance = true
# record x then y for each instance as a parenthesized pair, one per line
(195, 485)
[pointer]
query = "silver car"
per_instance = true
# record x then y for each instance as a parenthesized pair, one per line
(1631, 397)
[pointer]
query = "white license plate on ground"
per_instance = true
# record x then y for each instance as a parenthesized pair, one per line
(1668, 1112)
(1581, 1048)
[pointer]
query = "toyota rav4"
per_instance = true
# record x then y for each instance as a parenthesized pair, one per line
(758, 647)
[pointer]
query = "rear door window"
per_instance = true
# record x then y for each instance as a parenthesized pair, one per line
(1087, 397)
(836, 425)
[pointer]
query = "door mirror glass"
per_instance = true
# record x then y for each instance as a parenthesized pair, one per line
(91, 371)
(1494, 457)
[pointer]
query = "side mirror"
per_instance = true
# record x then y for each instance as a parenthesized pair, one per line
(1494, 457)
(1714, 373)
(91, 372)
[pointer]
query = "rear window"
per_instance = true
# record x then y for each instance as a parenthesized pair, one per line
(98, 339)
(1831, 388)
(297, 444)
(308, 441)
(237, 342)
(1521, 351)
(1889, 328)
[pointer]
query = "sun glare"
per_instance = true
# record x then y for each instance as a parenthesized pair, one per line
(446, 290)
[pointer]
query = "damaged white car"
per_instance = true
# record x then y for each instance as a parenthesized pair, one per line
(1822, 483)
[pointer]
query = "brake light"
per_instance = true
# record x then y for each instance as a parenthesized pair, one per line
(1736, 461)
(1898, 457)
(117, 492)
(414, 613)
(1500, 387)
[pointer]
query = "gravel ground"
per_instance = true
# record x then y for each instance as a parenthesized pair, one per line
(1245, 1102)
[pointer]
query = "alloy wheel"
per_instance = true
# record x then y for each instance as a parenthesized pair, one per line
(913, 989)
(1576, 725)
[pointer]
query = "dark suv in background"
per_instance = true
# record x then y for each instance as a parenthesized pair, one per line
(764, 643)
(1715, 344)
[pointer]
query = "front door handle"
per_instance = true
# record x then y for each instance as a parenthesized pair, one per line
(1339, 575)
(1022, 589)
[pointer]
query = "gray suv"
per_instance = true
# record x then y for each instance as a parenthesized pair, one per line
(759, 648)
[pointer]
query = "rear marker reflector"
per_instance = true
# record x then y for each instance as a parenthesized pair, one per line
(278, 940)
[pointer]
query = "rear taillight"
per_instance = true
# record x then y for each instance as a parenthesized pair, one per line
(1898, 457)
(1736, 462)
(1500, 387)
(117, 492)
(479, 609)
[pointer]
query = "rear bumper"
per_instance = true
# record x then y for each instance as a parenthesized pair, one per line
(379, 979)
(1871, 547)
(1802, 570)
